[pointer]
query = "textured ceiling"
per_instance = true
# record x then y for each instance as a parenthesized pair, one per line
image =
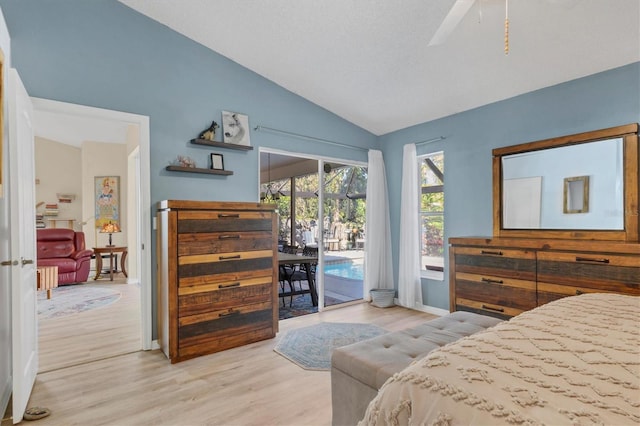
(369, 61)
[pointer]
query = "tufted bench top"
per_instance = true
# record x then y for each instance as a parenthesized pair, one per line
(373, 361)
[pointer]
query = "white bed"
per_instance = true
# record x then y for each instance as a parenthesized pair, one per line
(573, 361)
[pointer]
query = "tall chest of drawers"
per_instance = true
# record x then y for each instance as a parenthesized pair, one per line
(506, 276)
(217, 282)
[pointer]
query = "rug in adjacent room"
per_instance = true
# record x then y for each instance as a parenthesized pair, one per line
(72, 299)
(311, 347)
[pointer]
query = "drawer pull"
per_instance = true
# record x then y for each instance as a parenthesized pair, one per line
(228, 215)
(226, 314)
(229, 237)
(489, 280)
(237, 256)
(586, 259)
(229, 285)
(491, 308)
(495, 253)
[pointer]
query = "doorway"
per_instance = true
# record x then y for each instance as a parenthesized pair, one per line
(328, 218)
(99, 333)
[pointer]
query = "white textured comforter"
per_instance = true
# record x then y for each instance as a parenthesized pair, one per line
(575, 361)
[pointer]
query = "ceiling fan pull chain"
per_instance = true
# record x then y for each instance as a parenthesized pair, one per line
(506, 28)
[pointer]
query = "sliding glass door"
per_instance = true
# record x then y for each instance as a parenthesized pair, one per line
(336, 232)
(344, 233)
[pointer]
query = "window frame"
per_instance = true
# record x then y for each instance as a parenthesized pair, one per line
(436, 275)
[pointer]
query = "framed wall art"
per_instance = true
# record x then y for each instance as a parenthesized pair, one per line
(235, 128)
(107, 200)
(217, 162)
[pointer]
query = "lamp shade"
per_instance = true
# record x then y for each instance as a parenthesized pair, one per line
(110, 228)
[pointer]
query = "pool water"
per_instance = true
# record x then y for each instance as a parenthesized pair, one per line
(354, 271)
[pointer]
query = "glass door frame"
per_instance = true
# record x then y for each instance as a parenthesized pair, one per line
(320, 218)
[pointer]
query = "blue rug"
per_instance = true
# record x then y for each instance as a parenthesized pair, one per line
(72, 299)
(311, 347)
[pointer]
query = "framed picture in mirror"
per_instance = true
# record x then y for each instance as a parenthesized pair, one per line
(576, 195)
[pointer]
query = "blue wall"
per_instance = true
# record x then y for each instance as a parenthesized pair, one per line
(101, 53)
(602, 100)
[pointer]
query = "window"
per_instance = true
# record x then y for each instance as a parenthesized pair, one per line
(431, 168)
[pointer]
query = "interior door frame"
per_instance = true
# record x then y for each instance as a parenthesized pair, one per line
(144, 205)
(321, 159)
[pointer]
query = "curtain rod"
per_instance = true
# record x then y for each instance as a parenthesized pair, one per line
(311, 138)
(432, 140)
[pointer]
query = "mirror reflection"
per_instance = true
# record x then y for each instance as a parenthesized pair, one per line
(533, 187)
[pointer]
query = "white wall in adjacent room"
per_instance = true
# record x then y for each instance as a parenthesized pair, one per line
(103, 159)
(58, 171)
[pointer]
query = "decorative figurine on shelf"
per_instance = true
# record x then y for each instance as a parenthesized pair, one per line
(185, 161)
(209, 133)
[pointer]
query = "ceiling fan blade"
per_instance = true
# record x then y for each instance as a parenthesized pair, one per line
(451, 21)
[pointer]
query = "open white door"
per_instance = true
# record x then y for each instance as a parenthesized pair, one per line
(23, 244)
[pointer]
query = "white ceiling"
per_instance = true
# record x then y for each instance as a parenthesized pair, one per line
(368, 61)
(74, 129)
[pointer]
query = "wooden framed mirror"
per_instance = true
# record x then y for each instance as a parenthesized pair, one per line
(529, 180)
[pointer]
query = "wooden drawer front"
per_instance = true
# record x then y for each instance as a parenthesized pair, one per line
(516, 264)
(222, 267)
(589, 272)
(198, 329)
(500, 292)
(223, 242)
(221, 221)
(485, 308)
(206, 298)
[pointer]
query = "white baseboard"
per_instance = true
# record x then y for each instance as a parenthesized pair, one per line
(154, 345)
(424, 308)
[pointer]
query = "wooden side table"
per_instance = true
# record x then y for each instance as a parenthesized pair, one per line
(111, 251)
(47, 279)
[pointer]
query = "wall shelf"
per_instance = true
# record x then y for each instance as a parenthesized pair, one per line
(198, 170)
(221, 144)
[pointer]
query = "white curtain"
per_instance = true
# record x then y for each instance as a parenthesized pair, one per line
(409, 283)
(378, 269)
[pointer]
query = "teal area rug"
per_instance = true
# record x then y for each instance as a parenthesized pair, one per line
(72, 299)
(311, 347)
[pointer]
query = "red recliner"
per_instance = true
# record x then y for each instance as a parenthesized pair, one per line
(64, 248)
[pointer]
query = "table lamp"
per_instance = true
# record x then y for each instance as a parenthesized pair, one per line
(110, 228)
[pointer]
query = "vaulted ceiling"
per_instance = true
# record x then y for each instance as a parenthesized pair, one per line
(370, 62)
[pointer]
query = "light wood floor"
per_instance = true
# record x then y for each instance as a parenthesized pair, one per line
(96, 334)
(250, 385)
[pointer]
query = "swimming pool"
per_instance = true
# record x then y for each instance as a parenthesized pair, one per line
(354, 271)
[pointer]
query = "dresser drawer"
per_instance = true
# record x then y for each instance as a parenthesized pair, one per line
(509, 263)
(504, 296)
(562, 274)
(210, 297)
(224, 267)
(223, 221)
(214, 325)
(223, 242)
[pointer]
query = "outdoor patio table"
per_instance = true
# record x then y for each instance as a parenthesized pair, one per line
(294, 259)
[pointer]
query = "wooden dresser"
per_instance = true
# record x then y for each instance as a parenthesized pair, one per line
(217, 276)
(505, 276)
(543, 246)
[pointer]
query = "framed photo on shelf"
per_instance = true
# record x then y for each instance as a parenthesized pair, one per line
(217, 162)
(235, 128)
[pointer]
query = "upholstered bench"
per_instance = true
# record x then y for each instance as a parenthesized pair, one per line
(360, 369)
